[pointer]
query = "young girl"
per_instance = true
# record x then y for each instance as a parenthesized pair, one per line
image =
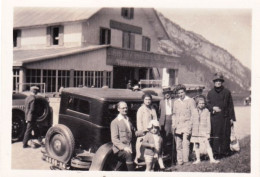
(201, 130)
(153, 146)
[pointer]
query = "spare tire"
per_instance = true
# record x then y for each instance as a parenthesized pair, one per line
(42, 108)
(60, 143)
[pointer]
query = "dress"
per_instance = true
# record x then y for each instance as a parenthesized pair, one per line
(220, 121)
(144, 116)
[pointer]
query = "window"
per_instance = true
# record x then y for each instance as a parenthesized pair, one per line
(89, 78)
(108, 78)
(55, 35)
(16, 38)
(127, 13)
(78, 105)
(146, 44)
(128, 40)
(49, 78)
(63, 78)
(105, 36)
(78, 78)
(15, 79)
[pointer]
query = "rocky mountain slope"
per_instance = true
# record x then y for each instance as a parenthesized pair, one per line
(202, 58)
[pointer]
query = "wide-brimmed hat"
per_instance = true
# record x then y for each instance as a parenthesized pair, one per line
(218, 76)
(154, 123)
(166, 90)
(34, 88)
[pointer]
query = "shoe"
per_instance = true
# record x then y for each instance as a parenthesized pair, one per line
(196, 162)
(214, 161)
(25, 146)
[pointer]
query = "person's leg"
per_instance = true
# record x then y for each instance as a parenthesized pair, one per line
(128, 158)
(210, 153)
(186, 147)
(197, 153)
(178, 140)
(27, 134)
(138, 149)
(148, 162)
(160, 161)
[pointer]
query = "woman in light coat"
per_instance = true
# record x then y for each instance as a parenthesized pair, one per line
(145, 114)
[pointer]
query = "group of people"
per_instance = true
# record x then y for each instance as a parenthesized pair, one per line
(204, 121)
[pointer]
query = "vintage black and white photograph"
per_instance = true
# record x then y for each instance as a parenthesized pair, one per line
(131, 88)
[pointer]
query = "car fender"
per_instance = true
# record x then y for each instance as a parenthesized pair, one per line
(100, 157)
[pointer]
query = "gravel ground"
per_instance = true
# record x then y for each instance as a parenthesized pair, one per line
(31, 158)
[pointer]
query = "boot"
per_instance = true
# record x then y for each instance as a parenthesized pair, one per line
(130, 166)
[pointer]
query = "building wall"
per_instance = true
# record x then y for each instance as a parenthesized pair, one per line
(102, 19)
(89, 61)
(36, 37)
(72, 34)
(33, 37)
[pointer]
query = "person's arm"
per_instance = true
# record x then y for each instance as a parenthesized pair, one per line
(115, 136)
(139, 119)
(174, 121)
(231, 110)
(208, 124)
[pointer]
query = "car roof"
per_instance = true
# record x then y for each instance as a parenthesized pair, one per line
(107, 94)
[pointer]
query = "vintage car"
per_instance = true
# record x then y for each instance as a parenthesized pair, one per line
(192, 90)
(44, 115)
(81, 139)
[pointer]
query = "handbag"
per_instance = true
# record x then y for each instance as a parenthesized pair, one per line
(234, 142)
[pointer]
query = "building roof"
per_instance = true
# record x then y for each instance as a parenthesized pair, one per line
(27, 56)
(37, 16)
(107, 94)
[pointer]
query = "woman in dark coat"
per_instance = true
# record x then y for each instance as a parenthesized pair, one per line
(220, 104)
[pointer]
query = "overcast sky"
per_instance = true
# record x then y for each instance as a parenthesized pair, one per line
(227, 28)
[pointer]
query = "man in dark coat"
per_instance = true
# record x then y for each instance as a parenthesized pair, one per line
(220, 104)
(30, 117)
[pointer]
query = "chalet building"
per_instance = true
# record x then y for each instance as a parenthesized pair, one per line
(72, 47)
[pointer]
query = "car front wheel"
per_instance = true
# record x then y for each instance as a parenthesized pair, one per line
(60, 143)
(18, 126)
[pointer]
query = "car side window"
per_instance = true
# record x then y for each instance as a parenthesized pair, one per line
(79, 105)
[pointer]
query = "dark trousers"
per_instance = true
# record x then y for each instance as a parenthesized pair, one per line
(169, 145)
(31, 126)
(124, 156)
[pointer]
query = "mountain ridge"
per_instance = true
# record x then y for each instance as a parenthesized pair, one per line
(191, 46)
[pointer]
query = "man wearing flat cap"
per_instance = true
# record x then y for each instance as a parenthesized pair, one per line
(30, 116)
(166, 111)
(220, 104)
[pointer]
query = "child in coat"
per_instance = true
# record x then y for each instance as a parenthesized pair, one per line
(201, 128)
(153, 146)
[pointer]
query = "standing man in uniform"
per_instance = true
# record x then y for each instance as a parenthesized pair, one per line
(30, 117)
(166, 111)
(221, 106)
(121, 136)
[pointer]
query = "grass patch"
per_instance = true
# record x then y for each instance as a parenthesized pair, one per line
(237, 163)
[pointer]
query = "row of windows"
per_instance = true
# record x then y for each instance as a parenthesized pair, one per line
(55, 79)
(128, 40)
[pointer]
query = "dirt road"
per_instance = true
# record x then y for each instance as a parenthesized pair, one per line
(31, 158)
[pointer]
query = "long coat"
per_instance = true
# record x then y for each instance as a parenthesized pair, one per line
(30, 108)
(220, 121)
(144, 116)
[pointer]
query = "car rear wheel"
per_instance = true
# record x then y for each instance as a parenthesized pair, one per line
(42, 108)
(18, 126)
(60, 143)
